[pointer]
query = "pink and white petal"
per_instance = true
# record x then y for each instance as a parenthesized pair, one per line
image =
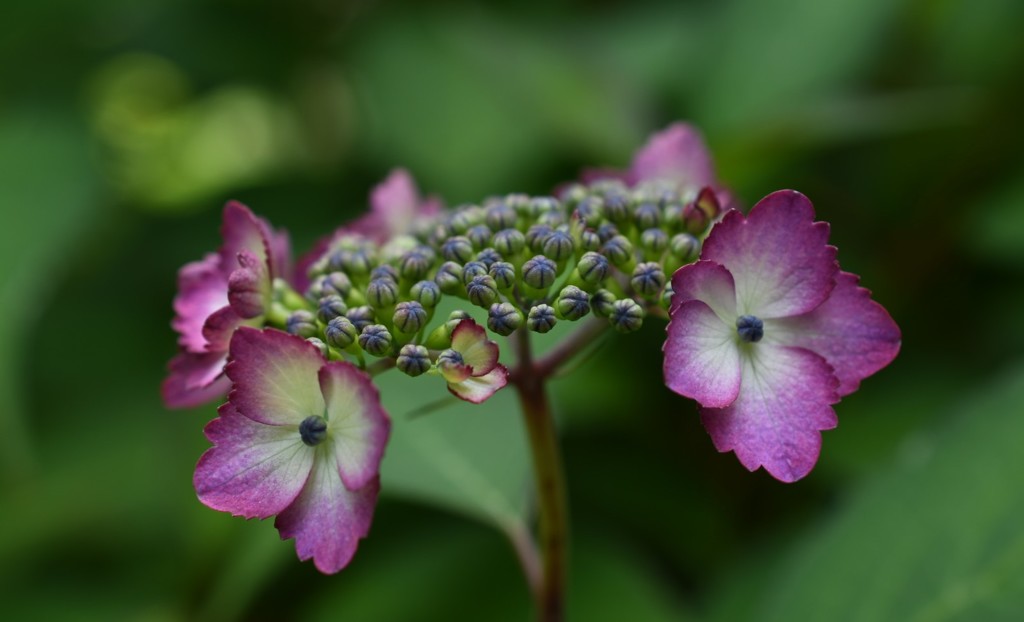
(855, 334)
(454, 372)
(327, 520)
(275, 376)
(202, 289)
(708, 282)
(195, 379)
(470, 340)
(677, 153)
(249, 286)
(357, 424)
(242, 231)
(253, 470)
(219, 328)
(477, 389)
(396, 201)
(779, 257)
(785, 400)
(702, 358)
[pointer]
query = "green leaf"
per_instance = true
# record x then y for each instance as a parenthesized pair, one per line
(935, 537)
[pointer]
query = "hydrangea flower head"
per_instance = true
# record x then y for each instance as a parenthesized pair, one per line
(300, 438)
(217, 294)
(767, 333)
(470, 366)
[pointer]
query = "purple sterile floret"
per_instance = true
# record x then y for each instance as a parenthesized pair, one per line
(216, 295)
(766, 333)
(471, 366)
(301, 438)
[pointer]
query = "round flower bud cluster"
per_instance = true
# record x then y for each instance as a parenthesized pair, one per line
(603, 249)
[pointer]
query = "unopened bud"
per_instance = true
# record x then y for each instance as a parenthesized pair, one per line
(654, 241)
(427, 293)
(539, 272)
(341, 333)
(559, 246)
(472, 270)
(707, 202)
(509, 242)
(479, 235)
(618, 250)
(607, 231)
(414, 265)
(602, 302)
(482, 290)
(384, 271)
(501, 216)
(449, 277)
(626, 316)
(648, 279)
(302, 323)
(573, 194)
(333, 283)
(590, 210)
(572, 303)
(319, 345)
(409, 317)
(503, 318)
(361, 317)
(488, 257)
(413, 360)
(647, 216)
(355, 262)
(381, 293)
(330, 307)
(617, 206)
(519, 202)
(684, 246)
(544, 205)
(458, 249)
(504, 274)
(536, 235)
(541, 319)
(589, 240)
(593, 268)
(375, 339)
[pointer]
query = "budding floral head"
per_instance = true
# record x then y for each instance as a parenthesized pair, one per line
(300, 438)
(216, 295)
(767, 333)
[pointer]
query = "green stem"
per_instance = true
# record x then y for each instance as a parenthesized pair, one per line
(549, 480)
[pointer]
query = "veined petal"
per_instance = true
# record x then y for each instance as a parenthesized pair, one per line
(195, 379)
(785, 400)
(242, 231)
(470, 340)
(477, 389)
(327, 519)
(778, 256)
(275, 376)
(702, 359)
(253, 470)
(855, 334)
(708, 282)
(454, 372)
(219, 327)
(202, 289)
(357, 424)
(677, 153)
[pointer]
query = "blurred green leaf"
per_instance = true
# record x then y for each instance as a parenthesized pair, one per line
(998, 225)
(935, 537)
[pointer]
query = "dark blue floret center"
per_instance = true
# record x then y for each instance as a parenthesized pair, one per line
(750, 328)
(313, 430)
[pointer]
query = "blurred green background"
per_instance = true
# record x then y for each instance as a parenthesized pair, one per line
(124, 126)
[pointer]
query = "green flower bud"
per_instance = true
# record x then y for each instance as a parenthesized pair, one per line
(427, 293)
(589, 240)
(504, 274)
(480, 236)
(593, 268)
(572, 303)
(482, 290)
(559, 246)
(460, 221)
(541, 319)
(319, 345)
(488, 257)
(334, 283)
(409, 317)
(666, 295)
(330, 307)
(449, 277)
(647, 216)
(607, 231)
(618, 250)
(503, 318)
(472, 270)
(617, 206)
(509, 242)
(602, 302)
(520, 203)
(673, 216)
(573, 194)
(501, 216)
(684, 246)
(375, 339)
(414, 265)
(302, 323)
(355, 262)
(648, 279)
(544, 205)
(627, 316)
(384, 271)
(413, 360)
(458, 249)
(539, 272)
(361, 317)
(536, 235)
(381, 293)
(453, 320)
(590, 210)
(654, 241)
(341, 333)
